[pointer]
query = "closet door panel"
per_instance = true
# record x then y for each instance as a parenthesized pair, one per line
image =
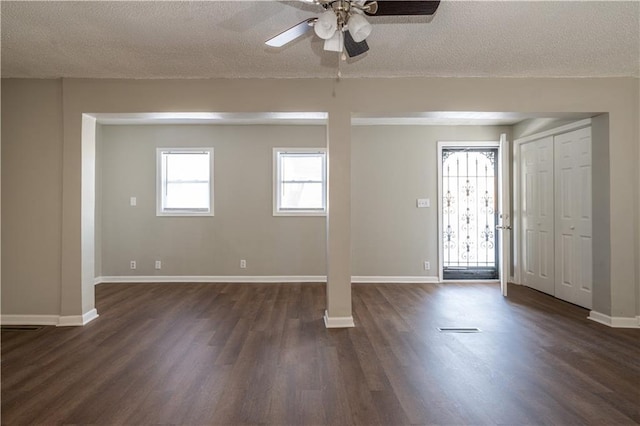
(537, 214)
(573, 217)
(527, 191)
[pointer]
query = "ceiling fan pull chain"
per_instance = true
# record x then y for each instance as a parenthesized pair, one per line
(340, 54)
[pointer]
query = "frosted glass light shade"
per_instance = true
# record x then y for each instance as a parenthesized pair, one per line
(359, 28)
(335, 43)
(326, 25)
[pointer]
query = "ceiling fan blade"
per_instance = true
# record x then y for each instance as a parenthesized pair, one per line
(353, 47)
(403, 7)
(291, 34)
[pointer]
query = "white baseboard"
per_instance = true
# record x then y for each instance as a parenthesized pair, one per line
(57, 320)
(337, 322)
(615, 322)
(77, 320)
(394, 280)
(135, 279)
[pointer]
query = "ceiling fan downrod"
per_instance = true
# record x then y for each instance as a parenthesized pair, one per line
(343, 7)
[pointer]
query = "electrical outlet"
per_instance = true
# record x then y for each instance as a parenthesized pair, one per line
(243, 264)
(423, 203)
(427, 265)
(133, 201)
(158, 264)
(133, 264)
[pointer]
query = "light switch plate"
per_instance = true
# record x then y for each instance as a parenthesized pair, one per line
(133, 201)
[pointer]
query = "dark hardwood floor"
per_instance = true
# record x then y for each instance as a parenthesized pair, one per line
(260, 354)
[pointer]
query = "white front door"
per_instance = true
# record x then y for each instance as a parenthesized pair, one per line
(537, 207)
(573, 217)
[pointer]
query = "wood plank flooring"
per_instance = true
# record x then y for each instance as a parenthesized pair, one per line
(230, 354)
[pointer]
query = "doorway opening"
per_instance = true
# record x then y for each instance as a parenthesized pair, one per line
(469, 213)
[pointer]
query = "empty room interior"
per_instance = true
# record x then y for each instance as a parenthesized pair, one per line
(320, 212)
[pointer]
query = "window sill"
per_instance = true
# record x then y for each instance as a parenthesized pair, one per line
(301, 213)
(184, 214)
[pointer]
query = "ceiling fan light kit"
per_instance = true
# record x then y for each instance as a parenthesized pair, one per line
(343, 26)
(354, 48)
(359, 27)
(326, 25)
(335, 43)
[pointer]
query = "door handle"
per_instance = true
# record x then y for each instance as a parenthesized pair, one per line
(572, 227)
(503, 227)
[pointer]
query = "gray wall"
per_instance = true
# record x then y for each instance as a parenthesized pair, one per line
(600, 210)
(98, 211)
(31, 196)
(392, 166)
(42, 163)
(243, 226)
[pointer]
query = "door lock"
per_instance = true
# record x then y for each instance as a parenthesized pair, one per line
(508, 227)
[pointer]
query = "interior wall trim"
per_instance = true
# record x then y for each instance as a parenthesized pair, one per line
(133, 279)
(361, 279)
(77, 320)
(615, 322)
(248, 279)
(337, 322)
(57, 320)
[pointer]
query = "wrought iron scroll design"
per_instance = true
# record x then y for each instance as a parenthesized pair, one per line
(469, 206)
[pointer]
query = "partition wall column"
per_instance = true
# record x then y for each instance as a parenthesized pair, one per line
(338, 313)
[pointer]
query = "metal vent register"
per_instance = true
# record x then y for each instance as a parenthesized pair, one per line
(459, 329)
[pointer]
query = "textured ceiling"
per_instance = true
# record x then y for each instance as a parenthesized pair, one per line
(166, 39)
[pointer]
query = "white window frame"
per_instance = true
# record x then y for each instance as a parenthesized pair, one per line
(160, 184)
(277, 210)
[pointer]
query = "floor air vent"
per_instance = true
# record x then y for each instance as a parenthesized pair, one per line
(459, 329)
(21, 327)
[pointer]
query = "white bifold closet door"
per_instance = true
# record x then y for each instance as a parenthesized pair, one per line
(537, 214)
(555, 206)
(573, 217)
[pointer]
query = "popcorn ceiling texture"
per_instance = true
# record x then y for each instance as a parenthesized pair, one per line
(213, 39)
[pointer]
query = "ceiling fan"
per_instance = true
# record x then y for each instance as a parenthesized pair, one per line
(343, 25)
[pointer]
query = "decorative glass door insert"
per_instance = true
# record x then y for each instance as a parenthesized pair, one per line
(469, 204)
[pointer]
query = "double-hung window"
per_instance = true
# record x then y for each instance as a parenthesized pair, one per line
(300, 181)
(184, 182)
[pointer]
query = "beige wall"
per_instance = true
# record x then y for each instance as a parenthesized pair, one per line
(98, 209)
(31, 196)
(616, 96)
(601, 213)
(243, 226)
(392, 166)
